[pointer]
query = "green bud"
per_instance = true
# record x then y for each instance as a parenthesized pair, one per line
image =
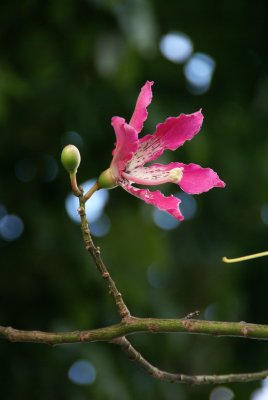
(107, 180)
(70, 158)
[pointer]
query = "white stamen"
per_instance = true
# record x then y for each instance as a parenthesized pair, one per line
(176, 174)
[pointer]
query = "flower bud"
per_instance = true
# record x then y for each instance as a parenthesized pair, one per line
(70, 158)
(106, 180)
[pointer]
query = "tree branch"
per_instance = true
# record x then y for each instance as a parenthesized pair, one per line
(139, 325)
(150, 369)
(116, 334)
(129, 325)
(95, 253)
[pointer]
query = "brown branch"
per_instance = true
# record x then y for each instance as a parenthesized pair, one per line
(156, 373)
(95, 253)
(113, 334)
(129, 325)
(187, 324)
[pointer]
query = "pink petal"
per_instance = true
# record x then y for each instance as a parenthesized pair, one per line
(155, 174)
(140, 113)
(126, 145)
(169, 204)
(169, 135)
(197, 180)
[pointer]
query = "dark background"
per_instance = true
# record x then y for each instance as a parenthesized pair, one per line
(69, 66)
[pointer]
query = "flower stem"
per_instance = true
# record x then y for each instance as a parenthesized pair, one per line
(245, 258)
(76, 191)
(90, 192)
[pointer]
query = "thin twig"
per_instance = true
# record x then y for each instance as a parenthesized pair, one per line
(95, 253)
(90, 192)
(156, 373)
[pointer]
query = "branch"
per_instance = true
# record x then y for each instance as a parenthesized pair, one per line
(150, 369)
(129, 325)
(139, 325)
(116, 334)
(95, 253)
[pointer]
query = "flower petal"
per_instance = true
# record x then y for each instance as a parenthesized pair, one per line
(140, 113)
(197, 180)
(169, 135)
(192, 178)
(126, 145)
(169, 204)
(155, 174)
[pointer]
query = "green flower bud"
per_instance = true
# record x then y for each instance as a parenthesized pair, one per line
(70, 158)
(106, 180)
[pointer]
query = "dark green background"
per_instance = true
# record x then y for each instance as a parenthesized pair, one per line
(53, 80)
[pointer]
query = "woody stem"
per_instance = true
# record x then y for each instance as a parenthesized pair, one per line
(95, 253)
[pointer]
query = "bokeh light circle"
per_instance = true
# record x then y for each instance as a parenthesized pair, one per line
(198, 72)
(221, 393)
(11, 227)
(82, 372)
(176, 47)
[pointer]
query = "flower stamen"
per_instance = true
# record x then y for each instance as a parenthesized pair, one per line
(175, 175)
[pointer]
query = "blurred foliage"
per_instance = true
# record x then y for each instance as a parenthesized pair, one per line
(68, 65)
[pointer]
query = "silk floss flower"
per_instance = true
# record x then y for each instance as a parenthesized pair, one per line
(131, 155)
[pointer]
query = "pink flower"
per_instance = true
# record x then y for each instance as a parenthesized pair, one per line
(131, 154)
